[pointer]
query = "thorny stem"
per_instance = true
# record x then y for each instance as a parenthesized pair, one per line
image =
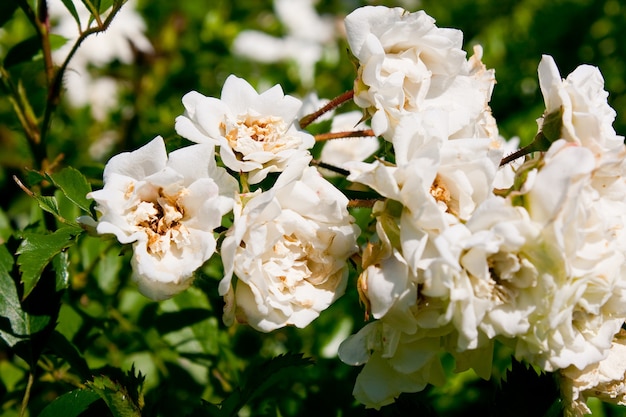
(41, 24)
(330, 167)
(334, 103)
(340, 135)
(515, 155)
(54, 90)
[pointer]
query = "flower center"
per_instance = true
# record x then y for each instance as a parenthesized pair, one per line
(268, 132)
(294, 262)
(509, 273)
(441, 194)
(161, 219)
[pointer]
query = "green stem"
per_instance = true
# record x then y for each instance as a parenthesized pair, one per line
(26, 399)
(54, 90)
(21, 107)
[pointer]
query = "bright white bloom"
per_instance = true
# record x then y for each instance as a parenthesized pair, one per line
(121, 39)
(337, 152)
(438, 180)
(605, 379)
(167, 208)
(580, 296)
(308, 35)
(288, 248)
(498, 259)
(587, 116)
(395, 362)
(407, 65)
(257, 133)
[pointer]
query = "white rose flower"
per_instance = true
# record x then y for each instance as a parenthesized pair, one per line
(587, 117)
(407, 64)
(580, 295)
(257, 133)
(167, 208)
(288, 248)
(395, 362)
(605, 379)
(495, 257)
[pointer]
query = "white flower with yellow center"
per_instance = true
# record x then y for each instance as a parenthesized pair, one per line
(167, 208)
(288, 248)
(257, 133)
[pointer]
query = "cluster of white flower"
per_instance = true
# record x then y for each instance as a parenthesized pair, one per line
(289, 238)
(457, 264)
(465, 252)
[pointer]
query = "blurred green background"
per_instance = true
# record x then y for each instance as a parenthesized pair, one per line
(181, 345)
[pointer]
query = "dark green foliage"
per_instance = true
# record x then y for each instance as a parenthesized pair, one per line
(527, 392)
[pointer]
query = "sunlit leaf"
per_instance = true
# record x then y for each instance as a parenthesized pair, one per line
(123, 398)
(37, 250)
(56, 41)
(74, 185)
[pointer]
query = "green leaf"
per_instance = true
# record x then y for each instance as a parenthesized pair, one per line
(37, 250)
(105, 5)
(177, 320)
(48, 204)
(15, 324)
(56, 41)
(7, 8)
(66, 350)
(70, 404)
(185, 322)
(74, 185)
(258, 379)
(122, 397)
(10, 307)
(23, 51)
(69, 5)
(61, 264)
(6, 260)
(524, 383)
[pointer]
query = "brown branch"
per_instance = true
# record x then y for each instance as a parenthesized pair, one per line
(334, 103)
(368, 203)
(342, 135)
